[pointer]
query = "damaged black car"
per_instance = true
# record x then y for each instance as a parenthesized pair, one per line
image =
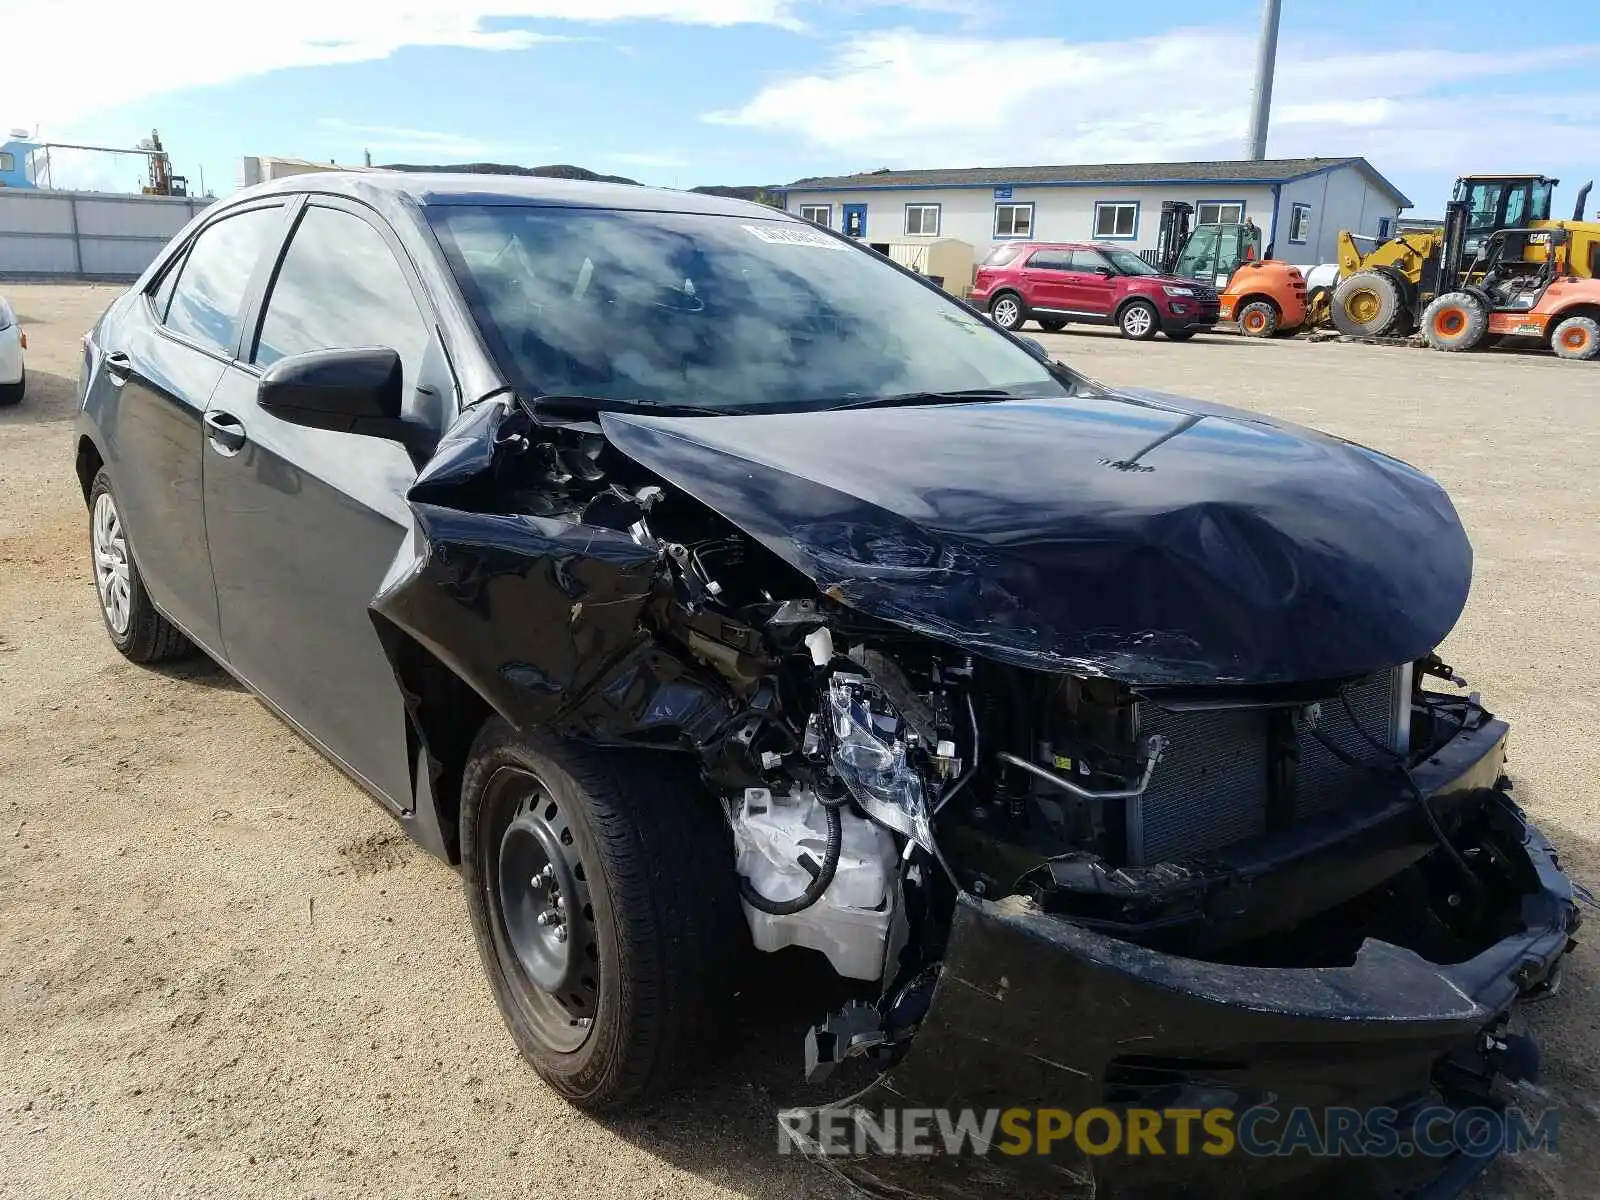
(697, 580)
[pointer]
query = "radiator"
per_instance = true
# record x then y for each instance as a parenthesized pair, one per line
(1211, 787)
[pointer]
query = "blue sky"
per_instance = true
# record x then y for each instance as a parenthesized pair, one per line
(681, 92)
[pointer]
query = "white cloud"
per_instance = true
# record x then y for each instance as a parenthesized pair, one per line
(931, 100)
(69, 62)
(662, 160)
(425, 145)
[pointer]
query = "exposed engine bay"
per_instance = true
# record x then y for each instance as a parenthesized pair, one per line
(872, 773)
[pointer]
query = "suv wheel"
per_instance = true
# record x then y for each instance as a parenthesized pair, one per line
(602, 891)
(1139, 321)
(1007, 311)
(136, 628)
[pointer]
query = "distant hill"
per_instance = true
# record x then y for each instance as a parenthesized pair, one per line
(770, 194)
(553, 171)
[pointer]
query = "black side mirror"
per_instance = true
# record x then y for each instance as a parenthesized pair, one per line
(1034, 346)
(1106, 271)
(346, 391)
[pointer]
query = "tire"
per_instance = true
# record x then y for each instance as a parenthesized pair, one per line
(12, 393)
(1577, 338)
(655, 945)
(1008, 311)
(1051, 324)
(1259, 319)
(1455, 321)
(1180, 335)
(1366, 305)
(1139, 321)
(135, 626)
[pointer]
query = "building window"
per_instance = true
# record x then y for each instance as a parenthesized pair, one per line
(1386, 227)
(1299, 224)
(1013, 220)
(1219, 212)
(922, 220)
(7, 163)
(817, 214)
(1117, 219)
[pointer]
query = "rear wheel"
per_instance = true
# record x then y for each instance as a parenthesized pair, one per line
(1366, 305)
(1455, 321)
(602, 891)
(1577, 337)
(1259, 319)
(1052, 324)
(1007, 311)
(11, 393)
(135, 626)
(1138, 321)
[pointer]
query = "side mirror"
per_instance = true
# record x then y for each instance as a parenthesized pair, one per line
(1106, 271)
(346, 391)
(1034, 346)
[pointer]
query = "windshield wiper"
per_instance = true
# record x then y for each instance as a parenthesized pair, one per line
(908, 398)
(585, 403)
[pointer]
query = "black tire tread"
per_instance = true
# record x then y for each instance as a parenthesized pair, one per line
(681, 932)
(1379, 282)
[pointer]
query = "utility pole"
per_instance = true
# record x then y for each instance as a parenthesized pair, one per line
(1255, 147)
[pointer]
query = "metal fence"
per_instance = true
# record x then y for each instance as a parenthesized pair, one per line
(86, 235)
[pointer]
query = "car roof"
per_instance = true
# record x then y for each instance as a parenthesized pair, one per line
(435, 189)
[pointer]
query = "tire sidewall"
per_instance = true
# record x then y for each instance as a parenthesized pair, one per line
(588, 1069)
(1592, 346)
(1269, 324)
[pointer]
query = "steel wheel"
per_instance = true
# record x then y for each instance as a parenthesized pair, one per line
(543, 909)
(111, 564)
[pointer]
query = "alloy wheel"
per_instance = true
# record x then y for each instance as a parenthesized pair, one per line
(111, 565)
(1136, 322)
(1006, 312)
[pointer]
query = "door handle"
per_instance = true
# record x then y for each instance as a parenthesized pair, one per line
(119, 366)
(226, 432)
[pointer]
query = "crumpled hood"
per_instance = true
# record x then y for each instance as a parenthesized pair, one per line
(1149, 538)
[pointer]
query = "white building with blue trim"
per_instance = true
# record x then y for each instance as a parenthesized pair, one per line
(1299, 204)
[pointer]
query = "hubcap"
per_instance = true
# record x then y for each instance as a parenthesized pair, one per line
(1450, 321)
(544, 909)
(1136, 321)
(111, 564)
(1005, 312)
(1575, 339)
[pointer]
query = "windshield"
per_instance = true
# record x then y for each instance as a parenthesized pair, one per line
(1128, 262)
(713, 312)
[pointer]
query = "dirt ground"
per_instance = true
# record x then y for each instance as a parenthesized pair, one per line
(224, 971)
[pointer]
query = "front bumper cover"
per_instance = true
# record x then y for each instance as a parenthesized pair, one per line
(1034, 1012)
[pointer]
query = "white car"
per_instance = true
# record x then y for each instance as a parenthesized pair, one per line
(13, 375)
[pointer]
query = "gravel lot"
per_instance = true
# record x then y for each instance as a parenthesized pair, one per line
(223, 971)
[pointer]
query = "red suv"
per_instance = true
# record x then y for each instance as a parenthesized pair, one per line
(1059, 282)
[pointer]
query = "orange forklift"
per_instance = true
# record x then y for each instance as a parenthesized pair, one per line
(1262, 295)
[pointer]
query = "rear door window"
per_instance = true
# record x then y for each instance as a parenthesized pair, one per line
(1051, 260)
(340, 288)
(207, 300)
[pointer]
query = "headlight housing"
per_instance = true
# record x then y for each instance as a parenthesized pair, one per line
(1177, 291)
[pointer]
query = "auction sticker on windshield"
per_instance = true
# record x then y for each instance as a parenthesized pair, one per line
(782, 235)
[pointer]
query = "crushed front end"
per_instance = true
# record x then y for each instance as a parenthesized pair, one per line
(1081, 847)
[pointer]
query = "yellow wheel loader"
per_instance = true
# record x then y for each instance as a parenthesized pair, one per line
(1382, 291)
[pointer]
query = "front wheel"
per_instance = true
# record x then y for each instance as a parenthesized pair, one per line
(1455, 321)
(1007, 312)
(1139, 321)
(602, 891)
(1577, 337)
(1258, 319)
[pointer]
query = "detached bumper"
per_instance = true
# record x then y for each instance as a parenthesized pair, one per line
(1033, 1012)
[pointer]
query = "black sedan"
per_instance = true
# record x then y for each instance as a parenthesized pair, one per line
(698, 580)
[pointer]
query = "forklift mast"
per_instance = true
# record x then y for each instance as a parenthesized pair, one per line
(1174, 233)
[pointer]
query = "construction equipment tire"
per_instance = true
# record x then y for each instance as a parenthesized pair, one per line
(1258, 319)
(1455, 321)
(1366, 305)
(1577, 337)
